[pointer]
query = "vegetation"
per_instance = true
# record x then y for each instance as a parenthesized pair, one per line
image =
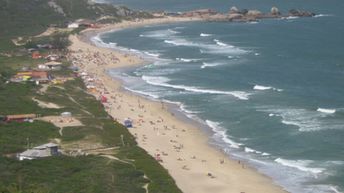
(127, 169)
(28, 18)
(66, 174)
(97, 124)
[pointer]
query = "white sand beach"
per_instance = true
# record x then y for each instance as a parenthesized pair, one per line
(183, 148)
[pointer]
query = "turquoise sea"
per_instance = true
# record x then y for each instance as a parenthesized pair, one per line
(270, 93)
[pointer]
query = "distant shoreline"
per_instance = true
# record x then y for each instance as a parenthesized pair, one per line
(182, 147)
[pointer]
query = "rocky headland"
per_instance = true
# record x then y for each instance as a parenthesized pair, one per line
(244, 15)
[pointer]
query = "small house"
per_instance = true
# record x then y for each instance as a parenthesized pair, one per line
(42, 151)
(36, 55)
(37, 76)
(66, 114)
(50, 66)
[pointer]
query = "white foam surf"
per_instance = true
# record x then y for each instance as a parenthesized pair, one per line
(187, 60)
(156, 55)
(261, 87)
(213, 64)
(221, 133)
(218, 48)
(328, 111)
(183, 107)
(335, 189)
(302, 165)
(205, 35)
(179, 42)
(224, 51)
(323, 15)
(163, 81)
(159, 34)
(99, 42)
(290, 17)
(249, 150)
(142, 93)
(303, 119)
(218, 42)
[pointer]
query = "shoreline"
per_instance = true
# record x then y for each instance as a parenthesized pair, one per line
(183, 147)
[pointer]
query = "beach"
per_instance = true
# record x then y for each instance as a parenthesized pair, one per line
(180, 147)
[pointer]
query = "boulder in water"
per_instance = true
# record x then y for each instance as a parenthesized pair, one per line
(233, 10)
(275, 11)
(254, 13)
(235, 16)
(300, 13)
(243, 11)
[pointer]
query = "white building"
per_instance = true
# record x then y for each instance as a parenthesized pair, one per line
(73, 25)
(45, 150)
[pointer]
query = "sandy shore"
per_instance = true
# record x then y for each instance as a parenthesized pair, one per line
(183, 148)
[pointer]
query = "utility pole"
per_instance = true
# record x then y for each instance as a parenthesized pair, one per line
(28, 143)
(122, 139)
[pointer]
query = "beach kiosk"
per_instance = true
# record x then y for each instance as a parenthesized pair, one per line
(128, 123)
(66, 114)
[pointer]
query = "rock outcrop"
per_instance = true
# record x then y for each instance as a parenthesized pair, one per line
(245, 15)
(233, 10)
(300, 13)
(275, 11)
(254, 14)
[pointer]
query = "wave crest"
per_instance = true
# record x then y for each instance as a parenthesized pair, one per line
(328, 111)
(205, 35)
(162, 81)
(302, 165)
(261, 87)
(221, 133)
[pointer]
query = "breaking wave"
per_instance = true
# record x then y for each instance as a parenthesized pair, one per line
(152, 54)
(261, 87)
(99, 42)
(213, 64)
(218, 48)
(323, 15)
(142, 93)
(221, 133)
(187, 60)
(158, 34)
(205, 35)
(305, 120)
(302, 165)
(328, 111)
(218, 42)
(162, 81)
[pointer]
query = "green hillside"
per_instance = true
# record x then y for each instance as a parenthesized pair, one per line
(125, 168)
(30, 17)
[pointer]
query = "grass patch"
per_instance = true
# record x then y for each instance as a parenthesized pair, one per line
(14, 137)
(87, 174)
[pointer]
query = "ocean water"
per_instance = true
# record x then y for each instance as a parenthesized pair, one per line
(271, 92)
